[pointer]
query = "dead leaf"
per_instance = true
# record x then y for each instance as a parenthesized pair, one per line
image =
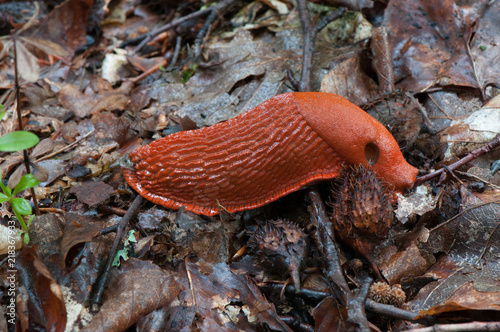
(472, 235)
(136, 289)
(92, 193)
(83, 105)
(216, 98)
(27, 64)
(78, 230)
(224, 298)
(46, 45)
(432, 45)
(328, 317)
(346, 79)
(477, 288)
(49, 294)
(66, 26)
(407, 263)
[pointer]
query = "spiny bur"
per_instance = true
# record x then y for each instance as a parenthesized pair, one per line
(280, 247)
(361, 211)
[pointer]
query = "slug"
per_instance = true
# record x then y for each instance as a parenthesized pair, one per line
(276, 148)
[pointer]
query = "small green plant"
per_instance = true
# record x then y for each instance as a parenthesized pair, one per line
(16, 141)
(123, 254)
(186, 74)
(20, 206)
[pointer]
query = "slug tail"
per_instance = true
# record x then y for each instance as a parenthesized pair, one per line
(134, 181)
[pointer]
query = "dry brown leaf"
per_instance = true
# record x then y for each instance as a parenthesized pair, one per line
(443, 43)
(27, 64)
(66, 25)
(473, 235)
(46, 45)
(135, 290)
(328, 317)
(47, 289)
(92, 193)
(83, 105)
(347, 80)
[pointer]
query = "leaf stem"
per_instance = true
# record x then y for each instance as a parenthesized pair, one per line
(20, 122)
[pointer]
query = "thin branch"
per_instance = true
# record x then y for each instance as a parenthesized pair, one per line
(204, 31)
(465, 327)
(471, 156)
(149, 36)
(177, 51)
(20, 122)
(326, 243)
(310, 33)
(146, 38)
(100, 285)
(55, 153)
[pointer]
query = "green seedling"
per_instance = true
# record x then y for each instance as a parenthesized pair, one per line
(123, 254)
(20, 206)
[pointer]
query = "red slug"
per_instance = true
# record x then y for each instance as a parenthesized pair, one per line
(276, 148)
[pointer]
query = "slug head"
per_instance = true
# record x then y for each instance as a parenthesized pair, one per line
(356, 137)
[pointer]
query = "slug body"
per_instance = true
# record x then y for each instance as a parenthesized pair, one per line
(276, 148)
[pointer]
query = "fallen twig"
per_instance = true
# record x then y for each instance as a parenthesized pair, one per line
(100, 284)
(471, 156)
(149, 36)
(326, 243)
(469, 327)
(50, 155)
(177, 51)
(20, 123)
(310, 32)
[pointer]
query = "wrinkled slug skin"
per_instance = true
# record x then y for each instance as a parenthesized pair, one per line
(272, 150)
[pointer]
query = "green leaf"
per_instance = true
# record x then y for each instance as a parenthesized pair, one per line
(5, 189)
(2, 113)
(27, 181)
(30, 220)
(186, 74)
(120, 254)
(18, 140)
(21, 205)
(26, 238)
(130, 238)
(21, 221)
(3, 198)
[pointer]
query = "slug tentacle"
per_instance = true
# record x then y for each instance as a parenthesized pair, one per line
(263, 154)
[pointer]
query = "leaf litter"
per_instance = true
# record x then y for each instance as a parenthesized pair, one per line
(443, 249)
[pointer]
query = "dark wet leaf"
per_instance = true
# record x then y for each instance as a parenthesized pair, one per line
(45, 290)
(92, 193)
(442, 43)
(135, 290)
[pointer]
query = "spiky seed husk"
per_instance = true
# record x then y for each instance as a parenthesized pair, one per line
(280, 247)
(362, 206)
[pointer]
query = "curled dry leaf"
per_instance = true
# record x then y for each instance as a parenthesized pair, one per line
(46, 45)
(27, 64)
(127, 300)
(6, 236)
(417, 203)
(465, 135)
(472, 235)
(48, 293)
